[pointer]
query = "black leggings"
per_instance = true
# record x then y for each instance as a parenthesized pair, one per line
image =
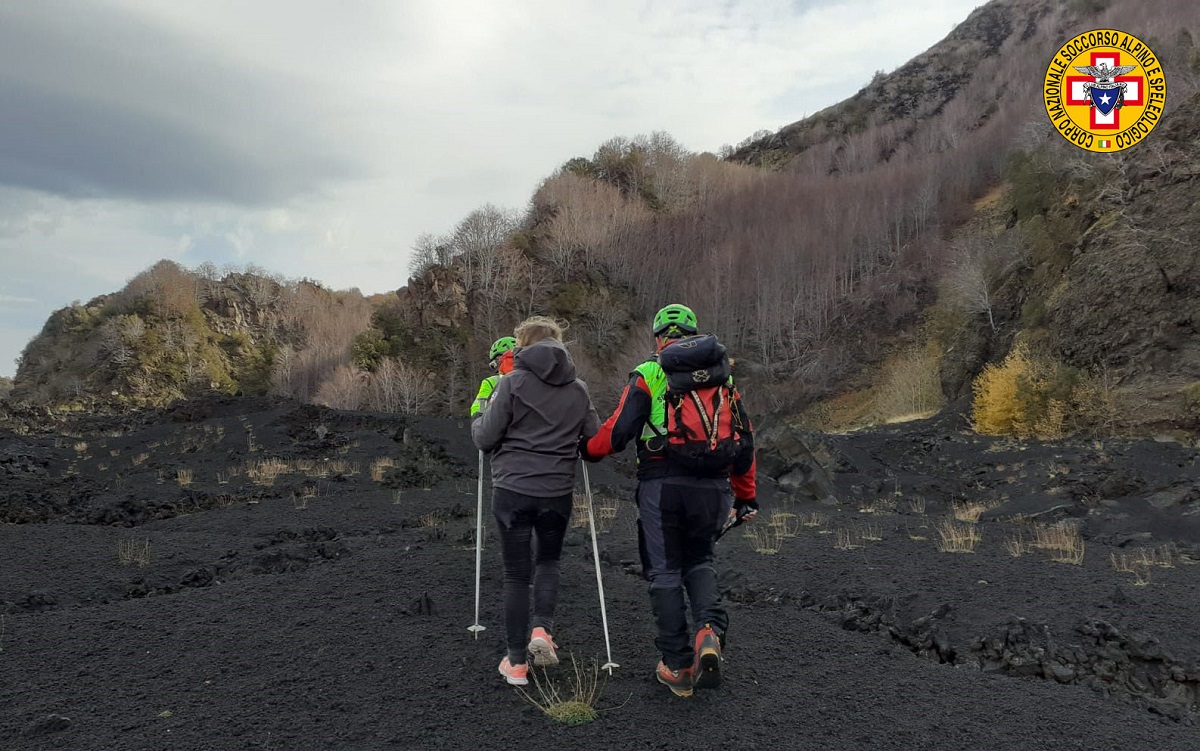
(519, 518)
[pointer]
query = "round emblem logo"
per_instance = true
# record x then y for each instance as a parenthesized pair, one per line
(1104, 90)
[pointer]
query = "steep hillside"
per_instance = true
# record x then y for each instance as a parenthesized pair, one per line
(993, 38)
(1103, 283)
(1077, 262)
(991, 63)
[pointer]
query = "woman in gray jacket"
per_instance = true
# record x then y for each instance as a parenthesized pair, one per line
(532, 425)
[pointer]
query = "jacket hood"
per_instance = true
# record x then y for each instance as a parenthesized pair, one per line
(548, 360)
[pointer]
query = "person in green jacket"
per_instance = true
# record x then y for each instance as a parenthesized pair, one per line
(500, 360)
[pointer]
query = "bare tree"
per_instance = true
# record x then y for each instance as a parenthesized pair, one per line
(477, 239)
(976, 265)
(399, 387)
(428, 251)
(345, 389)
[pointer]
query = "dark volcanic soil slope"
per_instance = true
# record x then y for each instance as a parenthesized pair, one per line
(327, 608)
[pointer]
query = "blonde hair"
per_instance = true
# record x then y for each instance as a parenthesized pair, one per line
(536, 328)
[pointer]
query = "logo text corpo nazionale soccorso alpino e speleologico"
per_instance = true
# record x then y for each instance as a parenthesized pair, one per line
(1104, 90)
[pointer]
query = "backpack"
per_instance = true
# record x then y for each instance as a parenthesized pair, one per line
(702, 432)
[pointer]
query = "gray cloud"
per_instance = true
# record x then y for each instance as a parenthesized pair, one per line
(98, 102)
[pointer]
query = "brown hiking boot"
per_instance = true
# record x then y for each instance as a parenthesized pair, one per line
(679, 681)
(707, 667)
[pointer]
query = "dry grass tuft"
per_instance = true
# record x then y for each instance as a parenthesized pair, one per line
(1142, 559)
(956, 536)
(140, 459)
(871, 532)
(380, 466)
(814, 520)
(266, 471)
(133, 552)
(970, 511)
(307, 493)
(184, 477)
(606, 512)
(878, 506)
(847, 538)
(1016, 546)
(764, 539)
(81, 447)
(1062, 540)
(1136, 563)
(343, 467)
(432, 519)
(572, 704)
(1164, 556)
(579, 510)
(917, 505)
(787, 524)
(855, 536)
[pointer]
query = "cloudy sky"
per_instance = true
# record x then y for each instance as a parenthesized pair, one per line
(319, 139)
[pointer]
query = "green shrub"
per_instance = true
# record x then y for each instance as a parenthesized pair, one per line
(570, 300)
(1034, 188)
(369, 349)
(944, 323)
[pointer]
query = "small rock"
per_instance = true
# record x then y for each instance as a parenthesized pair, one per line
(53, 723)
(1062, 673)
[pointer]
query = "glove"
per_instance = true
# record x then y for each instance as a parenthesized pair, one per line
(745, 509)
(583, 452)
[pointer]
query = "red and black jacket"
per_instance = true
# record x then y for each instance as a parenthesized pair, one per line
(628, 423)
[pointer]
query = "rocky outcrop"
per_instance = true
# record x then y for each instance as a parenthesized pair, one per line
(784, 456)
(437, 298)
(1127, 664)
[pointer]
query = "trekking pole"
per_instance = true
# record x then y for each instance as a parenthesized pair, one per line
(734, 520)
(476, 628)
(587, 489)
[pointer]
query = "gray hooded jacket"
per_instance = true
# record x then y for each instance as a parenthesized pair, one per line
(534, 421)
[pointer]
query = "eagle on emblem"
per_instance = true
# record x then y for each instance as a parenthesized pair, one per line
(1097, 90)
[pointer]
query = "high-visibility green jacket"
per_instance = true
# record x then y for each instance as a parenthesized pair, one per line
(486, 387)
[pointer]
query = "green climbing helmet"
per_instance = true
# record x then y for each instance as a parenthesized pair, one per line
(500, 346)
(675, 315)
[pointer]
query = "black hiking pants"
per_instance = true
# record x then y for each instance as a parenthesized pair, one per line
(522, 519)
(678, 521)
